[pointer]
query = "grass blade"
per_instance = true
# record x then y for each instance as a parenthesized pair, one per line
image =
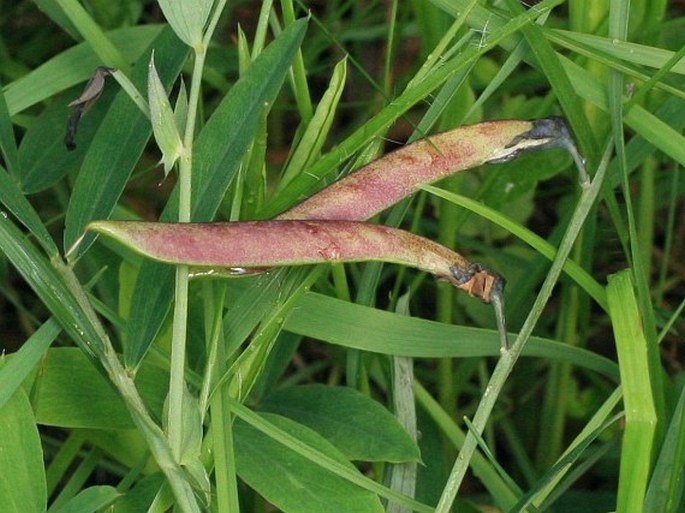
(638, 388)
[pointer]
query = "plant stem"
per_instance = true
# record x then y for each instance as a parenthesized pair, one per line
(178, 337)
(506, 363)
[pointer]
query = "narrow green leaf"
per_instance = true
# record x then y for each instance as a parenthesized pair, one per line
(646, 124)
(22, 487)
(93, 34)
(631, 52)
(19, 366)
(163, 120)
(637, 384)
(118, 144)
(181, 107)
(50, 287)
(358, 426)
(217, 154)
(221, 144)
(360, 327)
(290, 481)
(665, 492)
(317, 129)
(8, 144)
(577, 273)
(188, 19)
(15, 201)
(90, 500)
(52, 9)
(73, 66)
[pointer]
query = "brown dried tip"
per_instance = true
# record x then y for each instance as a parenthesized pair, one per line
(489, 287)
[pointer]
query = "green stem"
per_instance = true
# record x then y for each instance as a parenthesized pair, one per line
(180, 322)
(222, 437)
(508, 358)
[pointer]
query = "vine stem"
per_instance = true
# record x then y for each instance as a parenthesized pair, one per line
(180, 320)
(506, 362)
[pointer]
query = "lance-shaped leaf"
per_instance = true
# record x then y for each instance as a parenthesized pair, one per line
(163, 121)
(384, 182)
(242, 246)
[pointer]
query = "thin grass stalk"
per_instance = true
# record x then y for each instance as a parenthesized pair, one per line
(669, 230)
(618, 29)
(557, 385)
(301, 87)
(503, 495)
(225, 477)
(508, 358)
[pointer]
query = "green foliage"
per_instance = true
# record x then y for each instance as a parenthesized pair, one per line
(287, 378)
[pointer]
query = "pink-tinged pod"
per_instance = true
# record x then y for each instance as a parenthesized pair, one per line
(384, 182)
(265, 244)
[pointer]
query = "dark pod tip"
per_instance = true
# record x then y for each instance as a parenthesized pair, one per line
(553, 127)
(556, 130)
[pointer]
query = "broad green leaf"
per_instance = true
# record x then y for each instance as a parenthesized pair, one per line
(118, 144)
(73, 66)
(22, 485)
(90, 500)
(358, 426)
(360, 327)
(291, 482)
(162, 118)
(19, 366)
(74, 394)
(188, 19)
(217, 154)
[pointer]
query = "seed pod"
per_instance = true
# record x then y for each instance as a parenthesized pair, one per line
(385, 181)
(263, 244)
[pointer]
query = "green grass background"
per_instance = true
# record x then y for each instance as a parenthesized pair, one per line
(125, 386)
